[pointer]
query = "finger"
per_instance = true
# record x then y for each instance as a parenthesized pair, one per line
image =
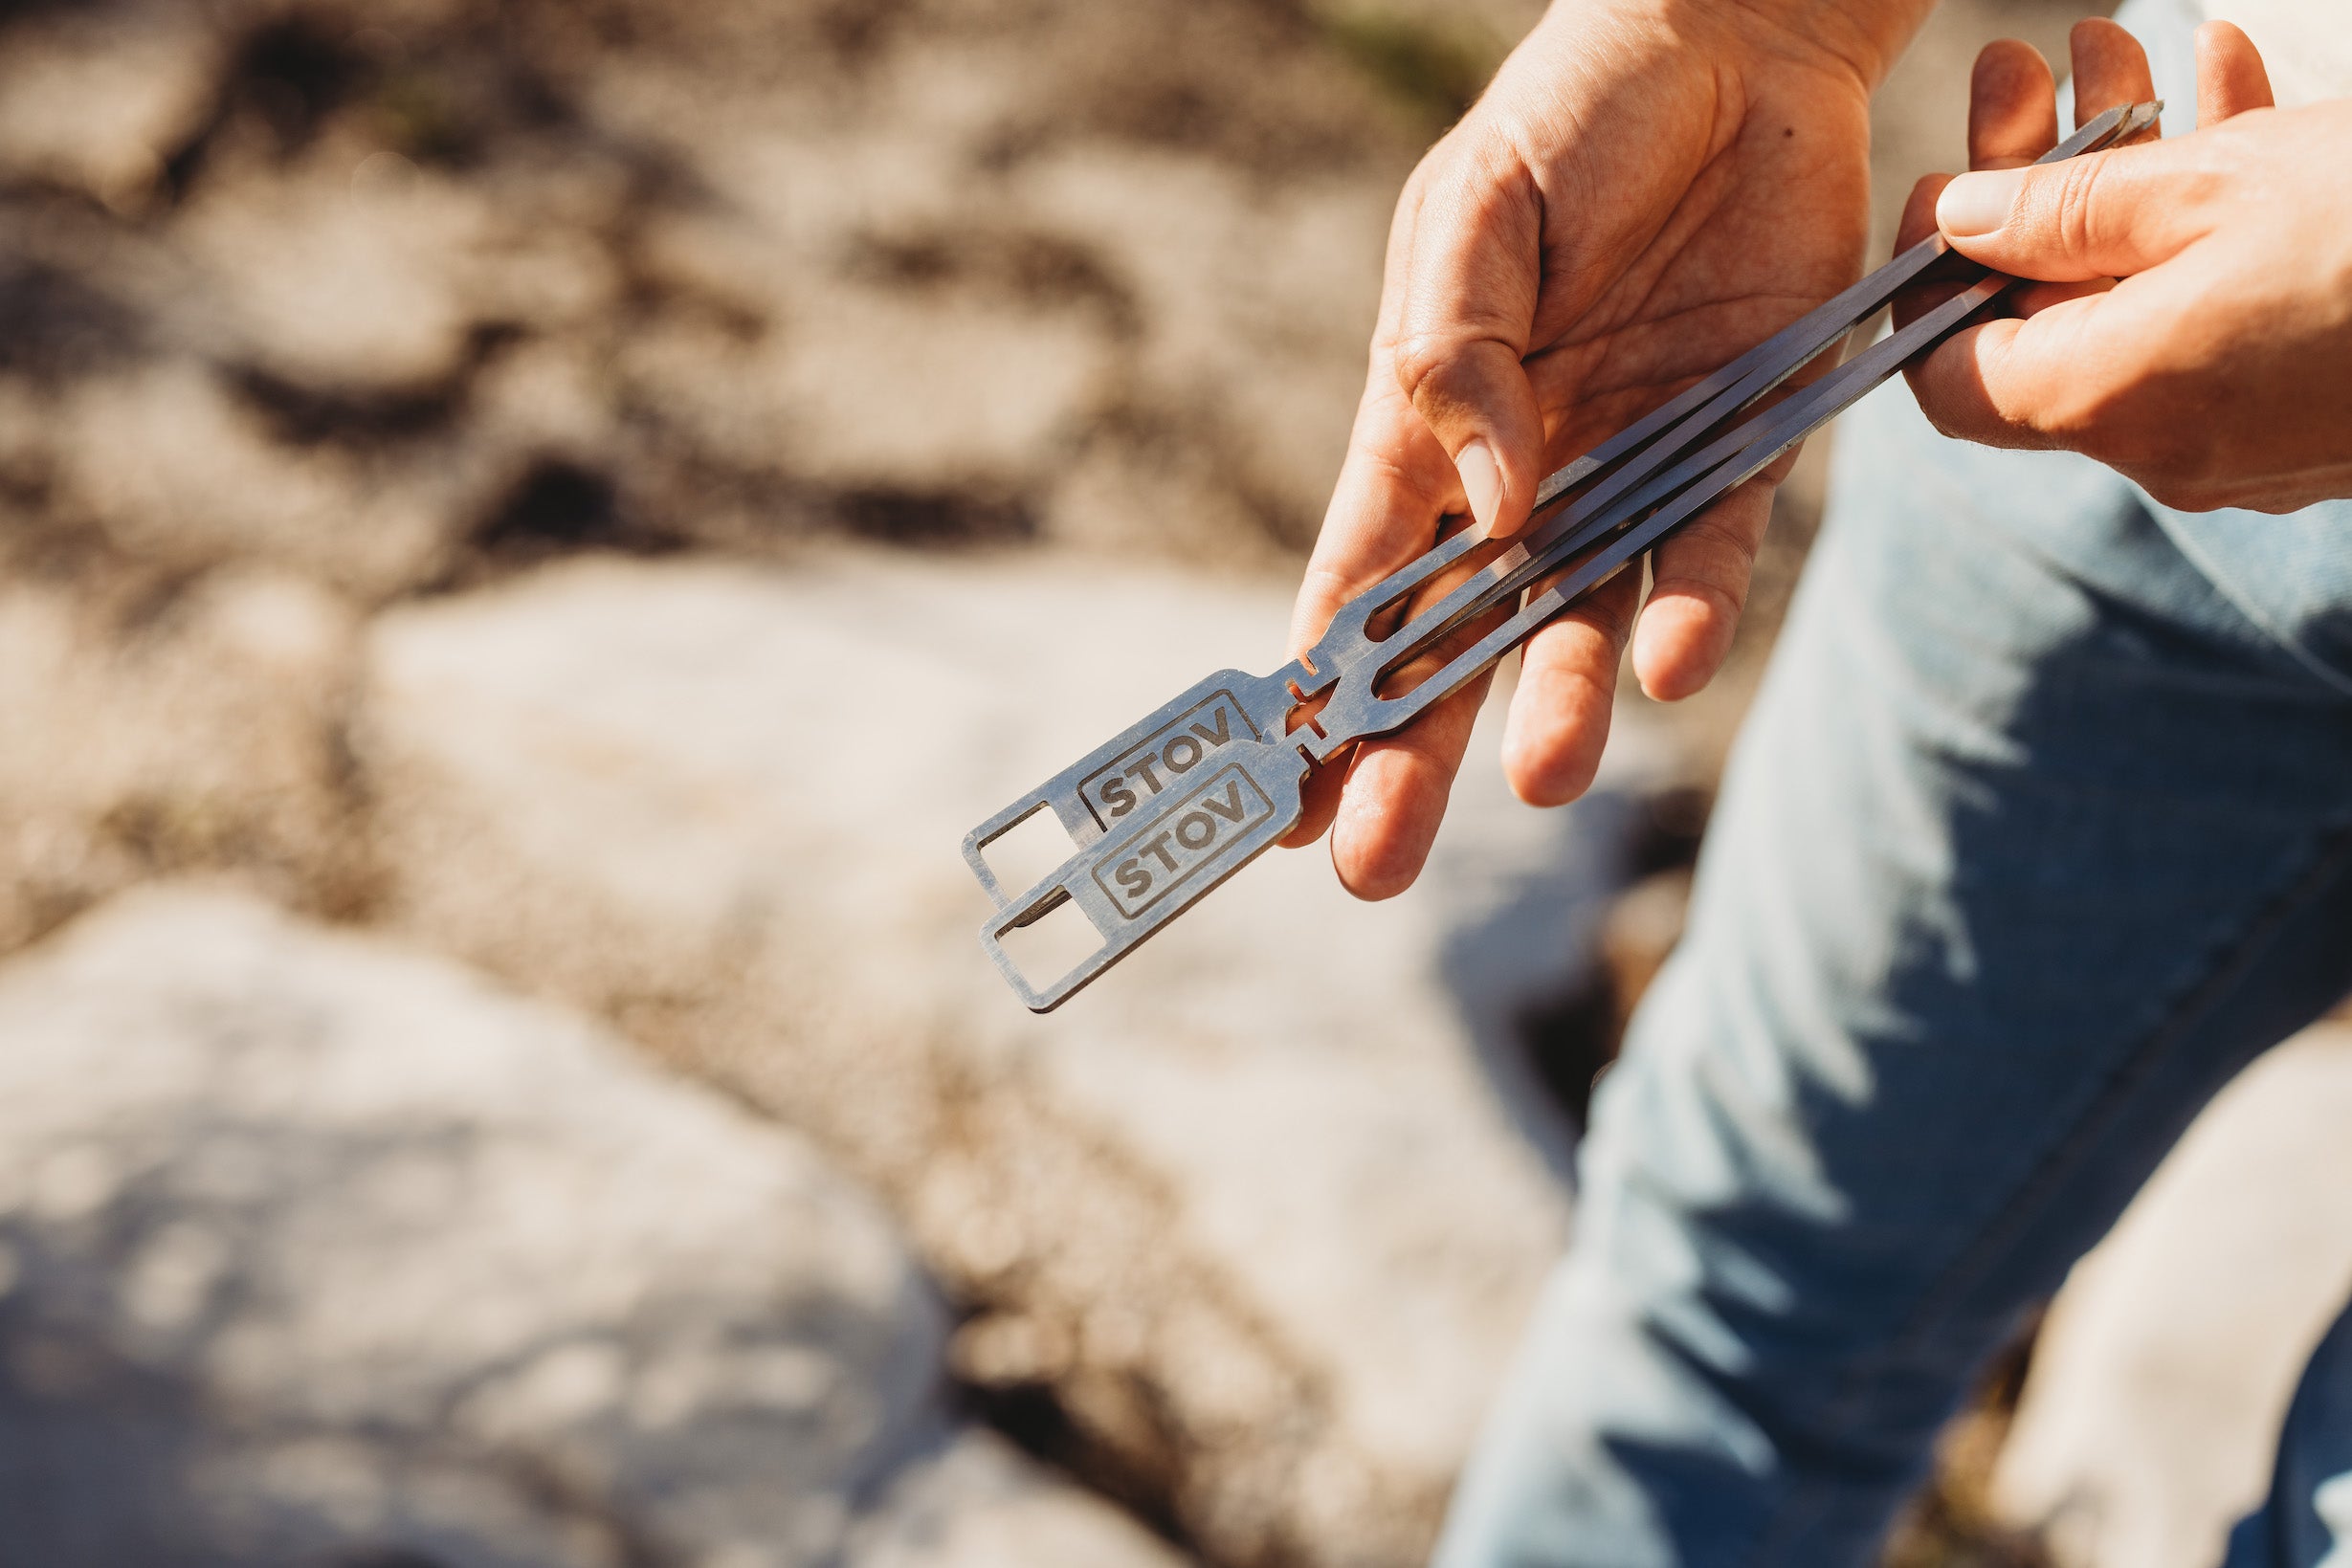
(2105, 214)
(2033, 299)
(1918, 221)
(1558, 726)
(1387, 809)
(2110, 69)
(2012, 105)
(1394, 797)
(2230, 76)
(1467, 314)
(1699, 579)
(2012, 119)
(1950, 383)
(1395, 487)
(2036, 383)
(1318, 804)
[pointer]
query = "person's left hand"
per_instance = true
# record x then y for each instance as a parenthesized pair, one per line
(2193, 326)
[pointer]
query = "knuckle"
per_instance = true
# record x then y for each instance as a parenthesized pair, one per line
(1612, 619)
(1719, 549)
(1422, 357)
(2075, 205)
(1437, 368)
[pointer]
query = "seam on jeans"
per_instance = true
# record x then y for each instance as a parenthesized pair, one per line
(2227, 965)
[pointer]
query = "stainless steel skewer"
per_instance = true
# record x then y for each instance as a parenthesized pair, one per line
(1170, 807)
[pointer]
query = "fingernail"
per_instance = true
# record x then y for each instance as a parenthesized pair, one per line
(1482, 480)
(1978, 204)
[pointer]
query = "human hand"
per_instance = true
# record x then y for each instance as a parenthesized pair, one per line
(2194, 326)
(1648, 189)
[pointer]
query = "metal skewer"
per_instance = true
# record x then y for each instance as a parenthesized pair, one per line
(1166, 811)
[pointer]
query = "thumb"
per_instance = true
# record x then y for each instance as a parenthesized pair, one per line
(2105, 214)
(1467, 314)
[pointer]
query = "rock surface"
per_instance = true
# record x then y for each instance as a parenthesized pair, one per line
(1266, 1205)
(312, 1245)
(392, 295)
(978, 1504)
(309, 308)
(156, 726)
(2150, 1418)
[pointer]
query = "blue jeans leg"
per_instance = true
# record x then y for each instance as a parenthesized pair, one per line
(2306, 1521)
(2032, 840)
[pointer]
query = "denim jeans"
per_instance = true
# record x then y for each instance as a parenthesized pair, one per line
(2040, 831)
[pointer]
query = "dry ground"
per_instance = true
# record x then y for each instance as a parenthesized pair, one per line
(317, 313)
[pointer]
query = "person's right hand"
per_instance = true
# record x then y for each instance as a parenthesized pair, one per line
(1649, 188)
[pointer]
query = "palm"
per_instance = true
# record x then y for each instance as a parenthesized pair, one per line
(1651, 292)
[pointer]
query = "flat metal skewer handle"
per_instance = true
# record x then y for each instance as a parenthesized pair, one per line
(1168, 809)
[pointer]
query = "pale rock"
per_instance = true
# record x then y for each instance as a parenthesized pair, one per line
(95, 100)
(1207, 420)
(1256, 305)
(874, 390)
(977, 1504)
(326, 1245)
(2161, 1379)
(546, 397)
(206, 735)
(182, 473)
(276, 623)
(811, 189)
(1281, 1169)
(353, 267)
(338, 285)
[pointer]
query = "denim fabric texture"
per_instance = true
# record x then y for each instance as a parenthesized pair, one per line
(2039, 831)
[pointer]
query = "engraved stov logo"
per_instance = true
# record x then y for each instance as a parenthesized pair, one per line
(1190, 835)
(1162, 760)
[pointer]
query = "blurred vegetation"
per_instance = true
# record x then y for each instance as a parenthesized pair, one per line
(1435, 71)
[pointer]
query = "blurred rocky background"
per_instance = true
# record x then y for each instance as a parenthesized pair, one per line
(528, 532)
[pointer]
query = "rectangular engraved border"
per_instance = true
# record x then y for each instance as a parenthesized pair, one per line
(1264, 808)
